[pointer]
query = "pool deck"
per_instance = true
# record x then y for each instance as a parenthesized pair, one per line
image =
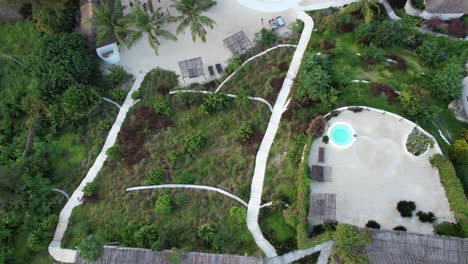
(372, 175)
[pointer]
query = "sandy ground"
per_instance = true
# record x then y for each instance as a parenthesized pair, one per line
(371, 176)
(230, 18)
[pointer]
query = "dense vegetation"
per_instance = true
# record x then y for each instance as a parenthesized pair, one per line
(52, 125)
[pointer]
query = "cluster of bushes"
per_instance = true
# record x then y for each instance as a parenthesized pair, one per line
(349, 244)
(417, 142)
(386, 33)
(265, 38)
(406, 208)
(454, 191)
(214, 102)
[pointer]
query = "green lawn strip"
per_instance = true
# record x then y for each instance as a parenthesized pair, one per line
(454, 191)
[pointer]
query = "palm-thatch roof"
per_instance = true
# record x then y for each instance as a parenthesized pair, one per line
(447, 6)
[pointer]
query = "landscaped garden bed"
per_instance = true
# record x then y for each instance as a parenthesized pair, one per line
(418, 143)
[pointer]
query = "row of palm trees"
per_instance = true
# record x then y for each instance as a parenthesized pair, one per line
(109, 21)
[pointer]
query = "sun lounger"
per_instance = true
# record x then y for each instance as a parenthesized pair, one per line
(317, 173)
(273, 24)
(280, 21)
(211, 70)
(218, 68)
(321, 155)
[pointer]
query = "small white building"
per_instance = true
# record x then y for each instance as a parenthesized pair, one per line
(443, 9)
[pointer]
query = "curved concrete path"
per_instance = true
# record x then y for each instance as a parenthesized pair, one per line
(251, 59)
(262, 155)
(55, 250)
(228, 95)
(188, 186)
(111, 101)
(61, 192)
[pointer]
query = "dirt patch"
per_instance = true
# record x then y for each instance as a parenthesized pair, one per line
(211, 86)
(380, 89)
(276, 83)
(400, 63)
(253, 143)
(135, 131)
(284, 66)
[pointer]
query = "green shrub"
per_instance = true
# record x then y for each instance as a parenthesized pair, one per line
(117, 75)
(430, 52)
(206, 233)
(184, 177)
(118, 95)
(214, 102)
(90, 248)
(372, 224)
(113, 151)
(414, 102)
(163, 205)
(244, 132)
(172, 157)
(447, 83)
(382, 33)
(265, 38)
(155, 176)
(399, 228)
(447, 229)
(136, 95)
(406, 208)
(417, 142)
(158, 82)
(233, 65)
(89, 189)
(350, 244)
(373, 54)
(161, 105)
(80, 101)
(146, 236)
(454, 191)
(104, 125)
(194, 142)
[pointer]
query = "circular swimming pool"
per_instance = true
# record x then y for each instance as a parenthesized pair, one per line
(341, 134)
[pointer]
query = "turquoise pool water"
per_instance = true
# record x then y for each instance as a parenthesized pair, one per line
(341, 134)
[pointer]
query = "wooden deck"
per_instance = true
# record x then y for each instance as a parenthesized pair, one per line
(322, 208)
(125, 255)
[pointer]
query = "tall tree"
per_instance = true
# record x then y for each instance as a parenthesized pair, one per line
(141, 22)
(191, 16)
(365, 7)
(109, 21)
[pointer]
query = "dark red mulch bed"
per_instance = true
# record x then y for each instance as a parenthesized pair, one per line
(132, 136)
(400, 63)
(253, 143)
(379, 89)
(276, 83)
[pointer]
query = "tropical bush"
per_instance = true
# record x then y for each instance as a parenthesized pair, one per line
(384, 34)
(430, 52)
(118, 94)
(194, 142)
(233, 64)
(373, 55)
(244, 132)
(80, 101)
(372, 224)
(426, 217)
(91, 248)
(184, 177)
(265, 38)
(350, 244)
(454, 191)
(136, 95)
(417, 142)
(117, 75)
(206, 233)
(155, 177)
(214, 102)
(414, 102)
(113, 151)
(146, 236)
(447, 83)
(406, 208)
(89, 189)
(163, 205)
(161, 105)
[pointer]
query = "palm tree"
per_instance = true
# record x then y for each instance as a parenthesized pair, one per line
(191, 17)
(108, 21)
(142, 22)
(206, 233)
(366, 9)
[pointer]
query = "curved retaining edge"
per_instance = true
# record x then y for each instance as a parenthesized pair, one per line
(228, 95)
(188, 186)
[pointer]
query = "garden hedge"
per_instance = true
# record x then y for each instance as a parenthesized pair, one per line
(454, 191)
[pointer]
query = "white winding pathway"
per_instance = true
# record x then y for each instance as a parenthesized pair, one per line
(262, 155)
(69, 255)
(228, 95)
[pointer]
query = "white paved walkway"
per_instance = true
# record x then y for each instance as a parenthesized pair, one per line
(68, 255)
(262, 155)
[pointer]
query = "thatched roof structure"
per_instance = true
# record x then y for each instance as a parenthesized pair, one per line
(397, 247)
(124, 255)
(447, 6)
(238, 43)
